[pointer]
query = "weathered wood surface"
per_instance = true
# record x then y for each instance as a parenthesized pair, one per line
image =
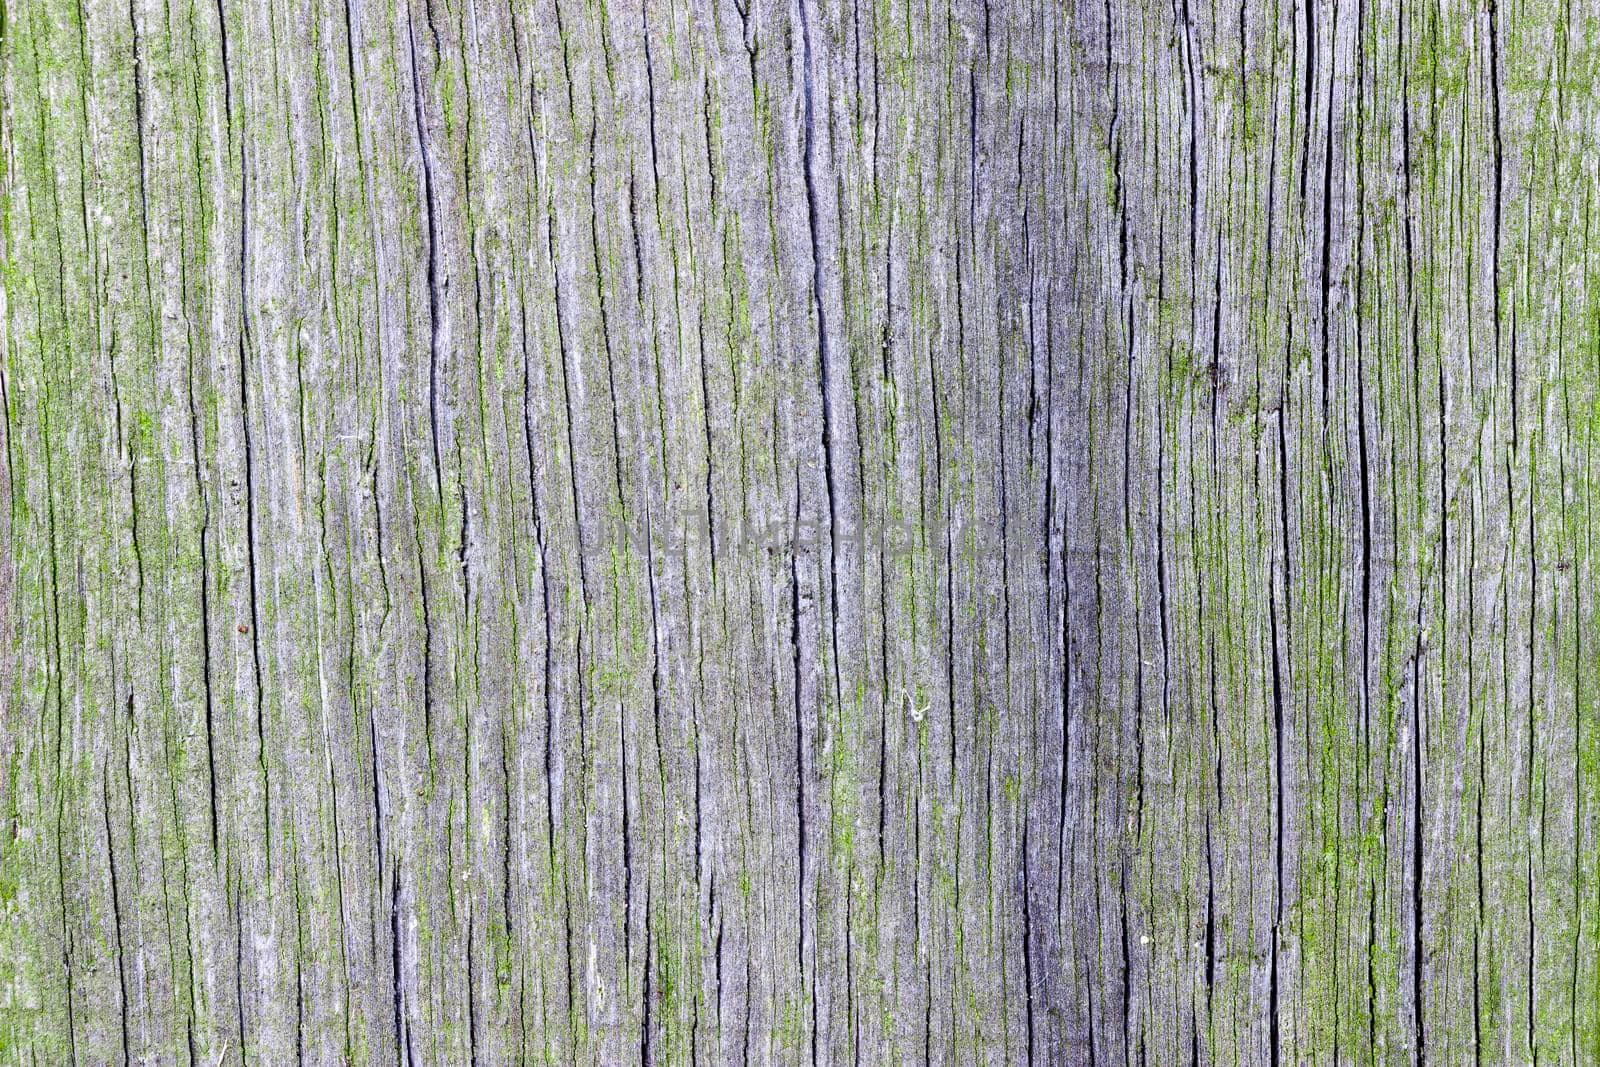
(799, 532)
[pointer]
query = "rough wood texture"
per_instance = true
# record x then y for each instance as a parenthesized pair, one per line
(797, 531)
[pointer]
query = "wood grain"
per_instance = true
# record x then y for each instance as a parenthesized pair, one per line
(789, 531)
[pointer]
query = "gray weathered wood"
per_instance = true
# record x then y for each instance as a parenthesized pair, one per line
(794, 531)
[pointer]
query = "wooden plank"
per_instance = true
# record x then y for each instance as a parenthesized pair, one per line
(797, 532)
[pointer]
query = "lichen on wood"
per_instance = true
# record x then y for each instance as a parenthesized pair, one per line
(798, 531)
